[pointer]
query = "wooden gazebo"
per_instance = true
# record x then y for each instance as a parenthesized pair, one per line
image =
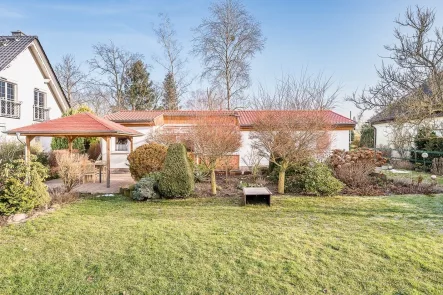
(78, 125)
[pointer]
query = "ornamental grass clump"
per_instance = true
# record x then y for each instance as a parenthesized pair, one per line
(177, 178)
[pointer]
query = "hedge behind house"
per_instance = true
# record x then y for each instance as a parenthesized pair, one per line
(177, 178)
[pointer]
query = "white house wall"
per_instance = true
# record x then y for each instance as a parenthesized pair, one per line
(119, 159)
(383, 134)
(25, 73)
(340, 140)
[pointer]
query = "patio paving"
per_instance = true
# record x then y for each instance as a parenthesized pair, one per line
(117, 181)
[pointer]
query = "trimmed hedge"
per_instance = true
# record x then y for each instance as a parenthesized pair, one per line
(146, 159)
(177, 178)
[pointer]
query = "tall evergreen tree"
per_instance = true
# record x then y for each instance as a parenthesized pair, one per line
(139, 90)
(170, 98)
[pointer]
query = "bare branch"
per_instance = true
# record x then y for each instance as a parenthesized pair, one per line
(71, 78)
(226, 43)
(172, 60)
(111, 64)
(306, 92)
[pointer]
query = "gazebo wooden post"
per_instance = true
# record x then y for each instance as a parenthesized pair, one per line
(28, 149)
(131, 140)
(70, 140)
(108, 162)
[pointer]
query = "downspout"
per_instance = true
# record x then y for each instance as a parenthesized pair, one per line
(375, 135)
(375, 140)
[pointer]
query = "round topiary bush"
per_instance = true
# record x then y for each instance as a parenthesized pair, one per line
(177, 178)
(146, 159)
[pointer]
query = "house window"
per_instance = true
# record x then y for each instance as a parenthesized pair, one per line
(40, 110)
(121, 144)
(9, 107)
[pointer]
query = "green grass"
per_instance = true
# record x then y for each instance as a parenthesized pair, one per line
(413, 176)
(301, 245)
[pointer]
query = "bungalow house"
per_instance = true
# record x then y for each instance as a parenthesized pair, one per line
(148, 122)
(29, 89)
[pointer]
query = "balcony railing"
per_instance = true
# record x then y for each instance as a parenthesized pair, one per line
(41, 113)
(9, 109)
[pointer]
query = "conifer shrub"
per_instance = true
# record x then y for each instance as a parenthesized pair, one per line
(177, 178)
(146, 188)
(21, 187)
(313, 178)
(146, 159)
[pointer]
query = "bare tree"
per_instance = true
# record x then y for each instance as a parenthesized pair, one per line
(252, 159)
(401, 137)
(209, 99)
(287, 138)
(172, 60)
(305, 92)
(71, 78)
(410, 77)
(111, 63)
(226, 43)
(97, 98)
(215, 139)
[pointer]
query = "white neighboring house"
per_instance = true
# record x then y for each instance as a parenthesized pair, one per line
(148, 121)
(29, 90)
(386, 129)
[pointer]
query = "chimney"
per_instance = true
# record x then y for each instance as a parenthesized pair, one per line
(17, 33)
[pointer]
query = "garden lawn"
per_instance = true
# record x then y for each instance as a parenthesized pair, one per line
(412, 176)
(301, 245)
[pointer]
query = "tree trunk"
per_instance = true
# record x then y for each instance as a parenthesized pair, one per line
(281, 181)
(213, 183)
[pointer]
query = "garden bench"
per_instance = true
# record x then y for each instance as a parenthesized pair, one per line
(255, 195)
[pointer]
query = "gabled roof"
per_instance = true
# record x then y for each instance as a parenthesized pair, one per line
(12, 46)
(246, 118)
(126, 116)
(76, 125)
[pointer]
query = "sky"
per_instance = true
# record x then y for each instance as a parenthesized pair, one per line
(340, 38)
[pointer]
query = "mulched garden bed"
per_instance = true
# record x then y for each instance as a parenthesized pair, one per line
(381, 187)
(231, 186)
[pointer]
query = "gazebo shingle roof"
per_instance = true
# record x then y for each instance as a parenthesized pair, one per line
(78, 124)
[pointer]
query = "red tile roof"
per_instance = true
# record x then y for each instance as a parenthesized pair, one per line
(149, 116)
(246, 118)
(78, 124)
